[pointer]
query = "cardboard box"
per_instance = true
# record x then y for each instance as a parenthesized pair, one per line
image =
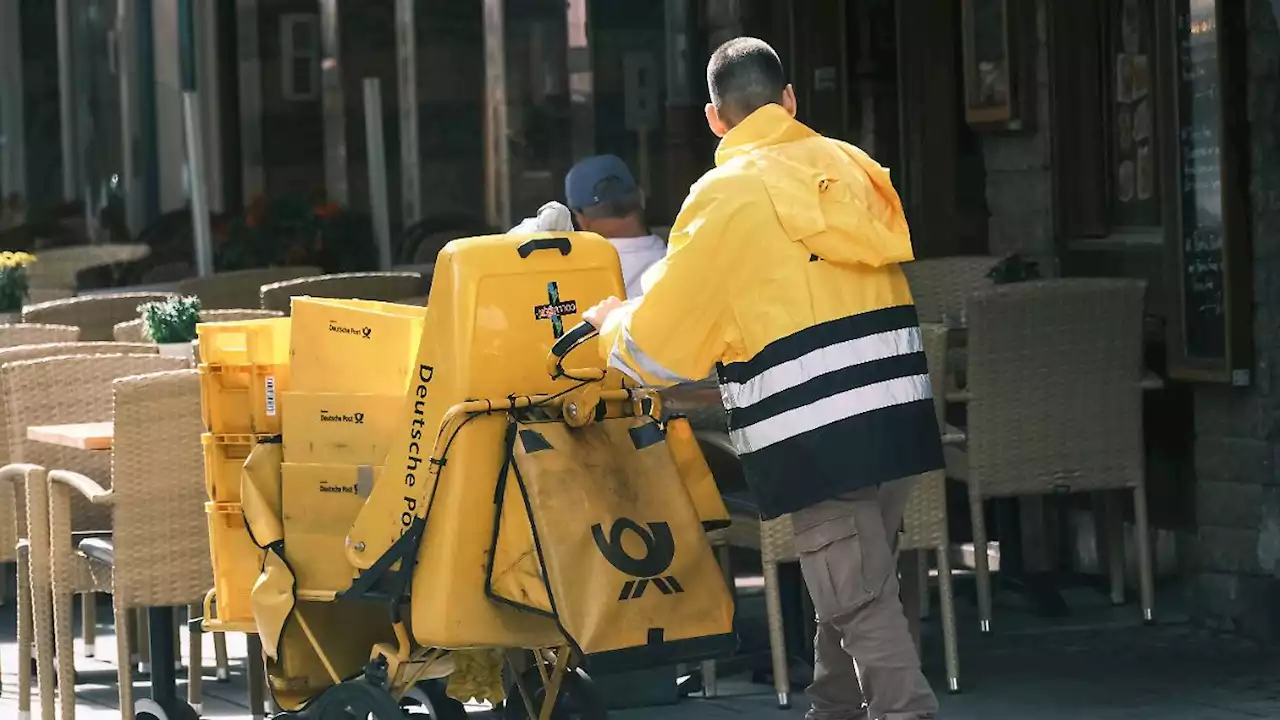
(319, 503)
(353, 346)
(339, 428)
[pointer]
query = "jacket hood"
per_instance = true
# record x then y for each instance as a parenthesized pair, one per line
(828, 195)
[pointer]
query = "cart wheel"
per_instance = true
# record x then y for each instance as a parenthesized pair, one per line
(148, 709)
(578, 698)
(429, 699)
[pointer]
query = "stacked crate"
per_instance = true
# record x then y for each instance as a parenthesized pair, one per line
(350, 364)
(244, 369)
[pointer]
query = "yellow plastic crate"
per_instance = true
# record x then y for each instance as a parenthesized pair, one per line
(242, 399)
(237, 562)
(224, 457)
(245, 342)
(353, 346)
(340, 428)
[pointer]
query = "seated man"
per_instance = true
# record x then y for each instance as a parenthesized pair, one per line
(605, 200)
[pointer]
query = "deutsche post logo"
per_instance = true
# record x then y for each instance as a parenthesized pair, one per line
(650, 568)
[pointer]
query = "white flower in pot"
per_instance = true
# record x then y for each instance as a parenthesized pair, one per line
(171, 324)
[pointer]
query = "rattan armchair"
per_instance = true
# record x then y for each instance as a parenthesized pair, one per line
(384, 286)
(135, 330)
(158, 551)
(50, 391)
(940, 286)
(95, 315)
(36, 334)
(56, 268)
(13, 523)
(1055, 382)
(240, 288)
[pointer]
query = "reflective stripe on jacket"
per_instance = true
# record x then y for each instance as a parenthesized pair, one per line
(782, 272)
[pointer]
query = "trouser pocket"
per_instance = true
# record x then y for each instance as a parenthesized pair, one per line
(846, 561)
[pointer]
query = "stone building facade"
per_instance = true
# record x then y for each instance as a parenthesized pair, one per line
(1237, 445)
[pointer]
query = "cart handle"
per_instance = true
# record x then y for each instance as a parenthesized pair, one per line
(570, 341)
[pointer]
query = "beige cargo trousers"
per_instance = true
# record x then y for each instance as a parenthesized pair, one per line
(865, 664)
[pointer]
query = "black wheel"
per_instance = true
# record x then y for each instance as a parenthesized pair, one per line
(148, 709)
(578, 698)
(429, 699)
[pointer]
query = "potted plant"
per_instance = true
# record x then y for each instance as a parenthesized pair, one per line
(14, 284)
(171, 324)
(296, 231)
(1014, 268)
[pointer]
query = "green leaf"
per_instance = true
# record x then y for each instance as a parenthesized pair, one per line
(173, 320)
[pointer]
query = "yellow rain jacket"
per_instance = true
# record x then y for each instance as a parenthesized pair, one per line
(782, 273)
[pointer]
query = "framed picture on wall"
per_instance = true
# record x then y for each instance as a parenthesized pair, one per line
(993, 78)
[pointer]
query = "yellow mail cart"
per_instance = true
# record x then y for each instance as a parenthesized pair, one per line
(463, 504)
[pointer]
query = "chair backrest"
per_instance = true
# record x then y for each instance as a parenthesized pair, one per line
(35, 333)
(70, 389)
(157, 479)
(934, 336)
(33, 352)
(940, 286)
(136, 331)
(96, 315)
(924, 520)
(1055, 368)
(240, 288)
(57, 267)
(387, 286)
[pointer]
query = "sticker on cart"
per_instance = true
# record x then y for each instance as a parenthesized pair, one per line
(270, 384)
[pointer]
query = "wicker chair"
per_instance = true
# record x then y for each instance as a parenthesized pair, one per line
(13, 524)
(1055, 372)
(158, 552)
(940, 286)
(385, 286)
(96, 315)
(56, 268)
(135, 330)
(36, 334)
(50, 391)
(240, 288)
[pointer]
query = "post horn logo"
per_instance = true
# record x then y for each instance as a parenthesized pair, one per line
(659, 551)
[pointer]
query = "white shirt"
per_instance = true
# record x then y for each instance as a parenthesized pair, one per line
(637, 255)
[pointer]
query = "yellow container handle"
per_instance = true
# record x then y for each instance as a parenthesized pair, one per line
(570, 341)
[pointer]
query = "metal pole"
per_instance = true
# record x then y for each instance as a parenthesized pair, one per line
(127, 67)
(497, 156)
(195, 139)
(407, 77)
(377, 170)
(66, 101)
(334, 105)
(195, 170)
(250, 85)
(13, 165)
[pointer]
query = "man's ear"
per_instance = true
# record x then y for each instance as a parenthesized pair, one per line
(789, 100)
(718, 127)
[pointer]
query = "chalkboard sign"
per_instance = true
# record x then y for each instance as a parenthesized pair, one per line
(1208, 222)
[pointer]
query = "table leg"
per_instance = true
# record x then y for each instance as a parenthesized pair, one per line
(164, 680)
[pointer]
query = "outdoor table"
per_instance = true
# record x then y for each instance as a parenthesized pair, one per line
(98, 436)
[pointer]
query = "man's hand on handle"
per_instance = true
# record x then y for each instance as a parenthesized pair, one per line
(598, 314)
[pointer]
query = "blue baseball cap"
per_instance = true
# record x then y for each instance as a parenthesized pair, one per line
(582, 186)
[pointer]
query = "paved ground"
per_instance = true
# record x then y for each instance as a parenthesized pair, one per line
(1097, 665)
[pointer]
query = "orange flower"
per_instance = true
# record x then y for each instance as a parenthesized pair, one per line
(327, 210)
(253, 214)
